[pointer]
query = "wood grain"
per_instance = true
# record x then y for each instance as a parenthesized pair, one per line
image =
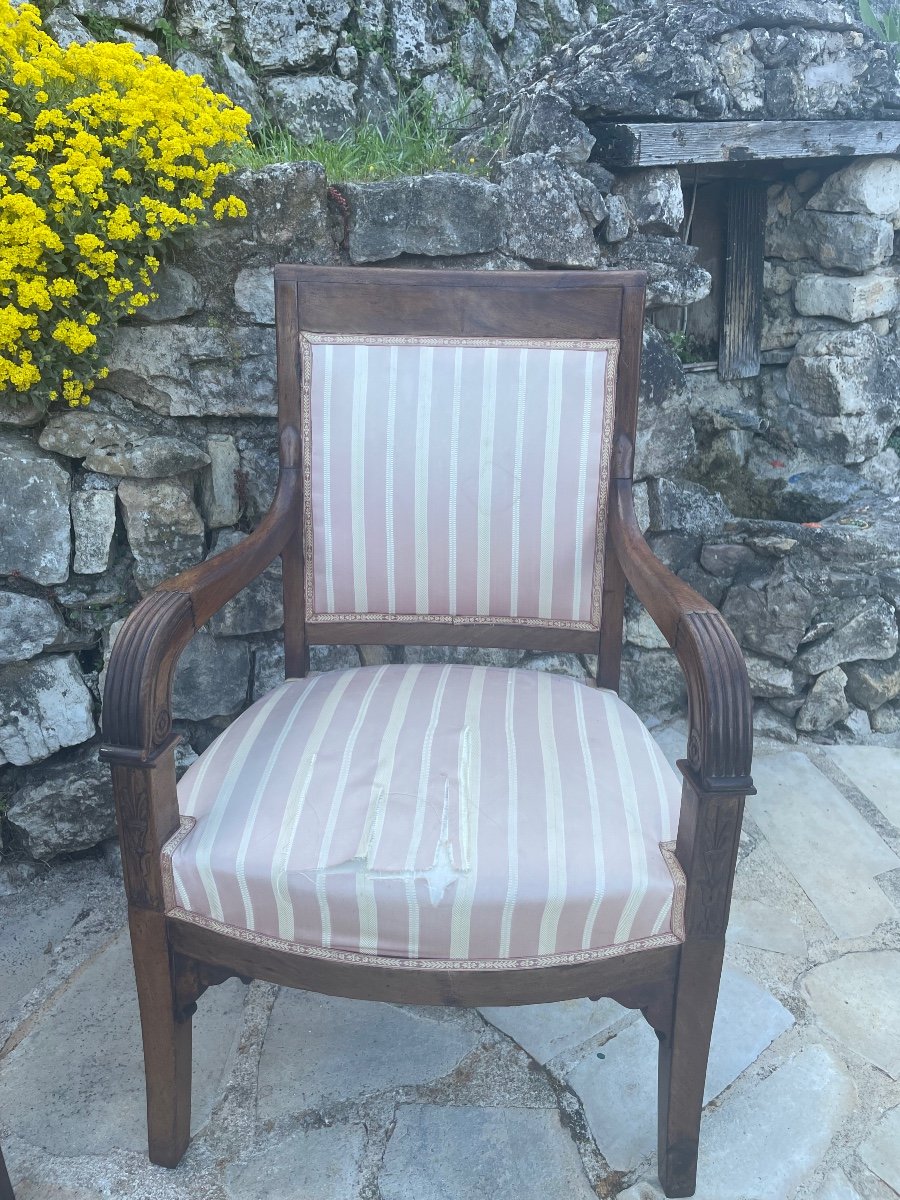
(674, 143)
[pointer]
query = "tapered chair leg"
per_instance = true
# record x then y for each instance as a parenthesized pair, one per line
(6, 1192)
(167, 1041)
(683, 1055)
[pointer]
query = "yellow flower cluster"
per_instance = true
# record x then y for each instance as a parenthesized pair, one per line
(105, 156)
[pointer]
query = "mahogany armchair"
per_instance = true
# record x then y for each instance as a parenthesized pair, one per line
(456, 470)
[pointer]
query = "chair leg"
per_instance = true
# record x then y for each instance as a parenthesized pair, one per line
(683, 1055)
(167, 1041)
(6, 1192)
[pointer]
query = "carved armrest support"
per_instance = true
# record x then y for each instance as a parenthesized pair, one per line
(137, 722)
(720, 709)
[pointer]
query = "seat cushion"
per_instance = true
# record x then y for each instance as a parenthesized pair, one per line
(443, 815)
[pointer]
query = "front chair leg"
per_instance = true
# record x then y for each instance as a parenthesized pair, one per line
(166, 1030)
(683, 1055)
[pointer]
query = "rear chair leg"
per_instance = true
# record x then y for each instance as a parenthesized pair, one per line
(167, 1040)
(683, 1055)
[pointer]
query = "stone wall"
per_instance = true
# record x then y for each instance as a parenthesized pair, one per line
(319, 67)
(776, 497)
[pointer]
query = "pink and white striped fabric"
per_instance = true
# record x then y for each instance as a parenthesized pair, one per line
(456, 479)
(439, 815)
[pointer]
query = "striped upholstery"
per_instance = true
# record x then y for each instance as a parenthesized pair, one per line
(456, 478)
(442, 815)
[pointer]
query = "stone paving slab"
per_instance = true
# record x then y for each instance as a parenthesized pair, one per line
(28, 933)
(753, 923)
(618, 1092)
(314, 1164)
(857, 998)
(763, 1143)
(467, 1153)
(75, 1084)
(876, 772)
(322, 1049)
(547, 1030)
(829, 848)
(881, 1151)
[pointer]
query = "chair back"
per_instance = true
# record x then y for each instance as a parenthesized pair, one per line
(456, 442)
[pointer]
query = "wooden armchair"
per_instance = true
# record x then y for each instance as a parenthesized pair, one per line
(456, 469)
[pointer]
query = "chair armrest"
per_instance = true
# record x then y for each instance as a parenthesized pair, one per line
(137, 722)
(720, 708)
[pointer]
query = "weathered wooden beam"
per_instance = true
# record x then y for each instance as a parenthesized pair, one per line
(741, 335)
(636, 144)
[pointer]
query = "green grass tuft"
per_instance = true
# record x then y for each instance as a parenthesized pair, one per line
(414, 141)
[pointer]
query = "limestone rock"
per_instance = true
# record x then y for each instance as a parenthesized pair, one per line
(883, 471)
(179, 295)
(93, 523)
(207, 23)
(851, 298)
(481, 64)
(839, 241)
(257, 608)
(308, 105)
(112, 446)
(873, 682)
(652, 682)
(826, 703)
(65, 28)
(430, 214)
(33, 483)
(544, 222)
(673, 276)
(164, 528)
(770, 618)
(879, 1150)
(142, 14)
(850, 384)
(770, 679)
(254, 294)
(812, 495)
(28, 624)
(869, 632)
(677, 504)
(194, 371)
(211, 678)
(619, 219)
(870, 185)
(665, 435)
(378, 95)
(219, 499)
(282, 36)
(44, 705)
(545, 124)
(415, 51)
(501, 17)
(64, 806)
(654, 198)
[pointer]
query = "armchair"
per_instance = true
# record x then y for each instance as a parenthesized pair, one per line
(448, 477)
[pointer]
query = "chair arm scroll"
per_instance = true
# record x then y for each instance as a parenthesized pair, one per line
(720, 708)
(137, 723)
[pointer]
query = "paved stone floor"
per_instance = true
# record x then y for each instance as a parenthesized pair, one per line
(302, 1097)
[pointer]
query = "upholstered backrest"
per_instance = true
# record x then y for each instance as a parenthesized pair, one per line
(456, 479)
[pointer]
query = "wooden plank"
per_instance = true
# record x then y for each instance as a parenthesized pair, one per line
(740, 341)
(637, 144)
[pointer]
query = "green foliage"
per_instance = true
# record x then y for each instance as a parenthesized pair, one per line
(688, 349)
(414, 141)
(886, 27)
(171, 39)
(101, 28)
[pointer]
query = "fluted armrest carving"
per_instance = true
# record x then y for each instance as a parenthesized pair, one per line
(720, 709)
(137, 723)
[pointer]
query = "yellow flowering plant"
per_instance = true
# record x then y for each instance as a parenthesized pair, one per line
(105, 157)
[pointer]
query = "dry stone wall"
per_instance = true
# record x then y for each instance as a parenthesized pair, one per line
(776, 497)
